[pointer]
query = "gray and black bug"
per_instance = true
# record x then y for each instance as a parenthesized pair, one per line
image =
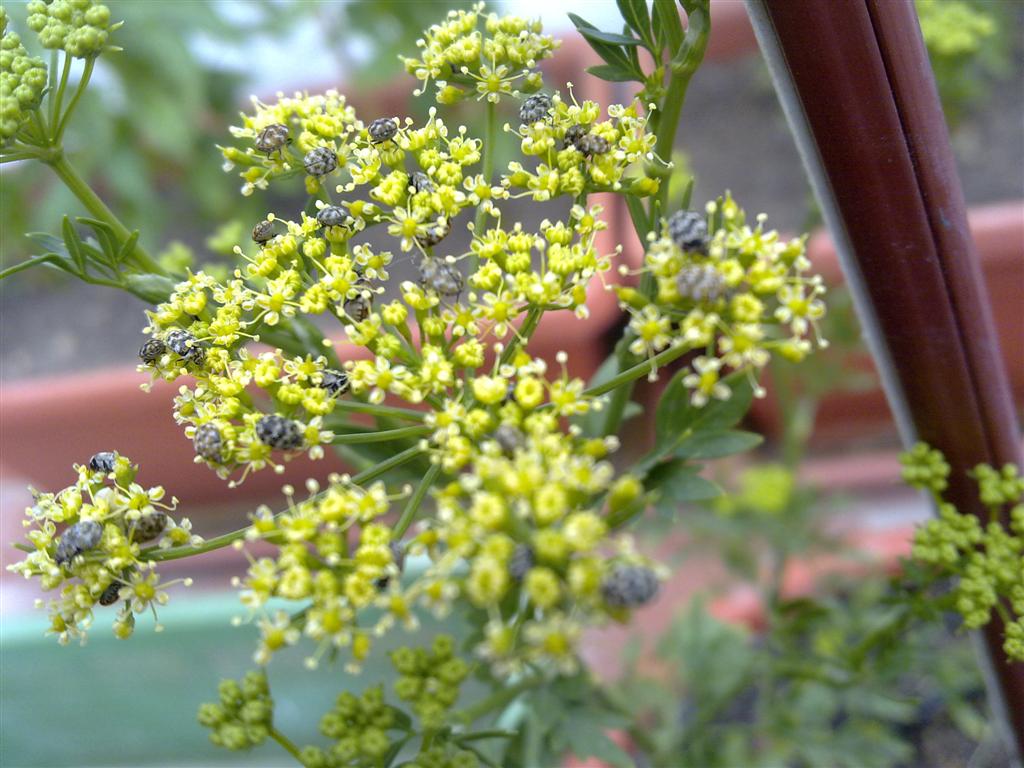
(398, 557)
(151, 351)
(149, 526)
(701, 282)
(279, 432)
(629, 586)
(535, 108)
(186, 346)
(509, 438)
(573, 134)
(273, 138)
(78, 538)
(420, 182)
(208, 442)
(335, 382)
(110, 595)
(689, 230)
(521, 561)
(263, 232)
(591, 144)
(383, 129)
(103, 461)
(434, 234)
(331, 216)
(440, 276)
(320, 161)
(358, 308)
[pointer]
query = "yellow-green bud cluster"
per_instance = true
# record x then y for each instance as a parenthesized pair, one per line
(79, 27)
(22, 80)
(359, 726)
(86, 570)
(741, 297)
(243, 716)
(984, 561)
(429, 680)
(925, 468)
(483, 54)
(444, 757)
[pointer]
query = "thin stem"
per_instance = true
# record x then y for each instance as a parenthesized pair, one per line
(286, 743)
(227, 539)
(409, 513)
(57, 99)
(66, 117)
(26, 265)
(632, 374)
(386, 466)
(381, 411)
(533, 317)
(358, 438)
(490, 139)
(498, 700)
(81, 189)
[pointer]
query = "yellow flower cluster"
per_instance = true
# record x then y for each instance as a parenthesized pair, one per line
(335, 558)
(522, 534)
(493, 61)
(90, 541)
(738, 293)
(279, 135)
(576, 152)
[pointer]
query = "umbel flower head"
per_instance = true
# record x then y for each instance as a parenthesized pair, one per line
(79, 27)
(91, 541)
(22, 80)
(737, 292)
(487, 55)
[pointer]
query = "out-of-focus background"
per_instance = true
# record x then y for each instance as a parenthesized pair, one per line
(146, 137)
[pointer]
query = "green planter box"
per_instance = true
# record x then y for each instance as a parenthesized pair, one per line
(133, 703)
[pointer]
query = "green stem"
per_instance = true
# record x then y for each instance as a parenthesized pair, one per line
(498, 700)
(286, 743)
(530, 324)
(381, 411)
(57, 98)
(66, 117)
(81, 189)
(227, 539)
(358, 438)
(409, 513)
(630, 375)
(490, 139)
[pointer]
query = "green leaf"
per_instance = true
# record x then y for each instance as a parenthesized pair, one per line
(612, 73)
(592, 34)
(611, 53)
(715, 445)
(667, 25)
(677, 418)
(151, 288)
(634, 13)
(73, 244)
(127, 248)
(677, 482)
(586, 739)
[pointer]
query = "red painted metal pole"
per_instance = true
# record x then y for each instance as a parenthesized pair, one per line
(864, 106)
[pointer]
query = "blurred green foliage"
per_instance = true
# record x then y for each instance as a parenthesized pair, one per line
(970, 44)
(145, 134)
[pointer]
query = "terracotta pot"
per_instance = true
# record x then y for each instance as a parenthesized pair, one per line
(998, 232)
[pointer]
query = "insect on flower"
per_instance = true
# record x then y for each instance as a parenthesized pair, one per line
(208, 442)
(279, 432)
(382, 129)
(438, 275)
(103, 461)
(263, 232)
(331, 216)
(335, 382)
(689, 230)
(79, 538)
(629, 586)
(149, 526)
(273, 138)
(320, 161)
(151, 351)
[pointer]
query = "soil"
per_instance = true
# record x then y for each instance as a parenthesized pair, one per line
(735, 136)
